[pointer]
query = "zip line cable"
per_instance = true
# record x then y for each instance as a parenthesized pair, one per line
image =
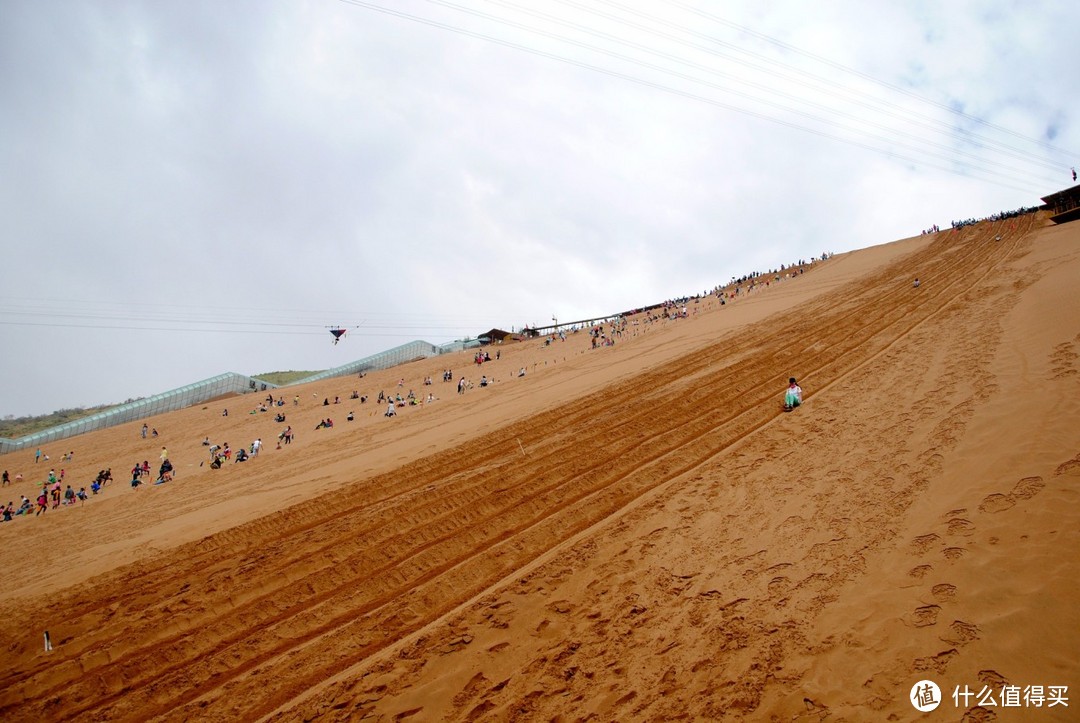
(820, 83)
(215, 316)
(954, 152)
(864, 76)
(314, 313)
(214, 322)
(175, 329)
(673, 91)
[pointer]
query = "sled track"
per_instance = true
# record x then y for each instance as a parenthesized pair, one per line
(300, 596)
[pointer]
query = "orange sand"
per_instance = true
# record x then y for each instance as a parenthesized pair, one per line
(629, 533)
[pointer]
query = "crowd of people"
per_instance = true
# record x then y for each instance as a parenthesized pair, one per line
(52, 494)
(599, 336)
(604, 333)
(758, 279)
(1000, 216)
(755, 275)
(222, 453)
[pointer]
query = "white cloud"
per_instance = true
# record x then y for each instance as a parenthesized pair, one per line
(305, 164)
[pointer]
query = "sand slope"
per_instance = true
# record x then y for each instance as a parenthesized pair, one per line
(627, 533)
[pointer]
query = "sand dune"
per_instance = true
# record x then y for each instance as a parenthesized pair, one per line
(635, 532)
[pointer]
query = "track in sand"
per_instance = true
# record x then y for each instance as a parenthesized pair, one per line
(251, 621)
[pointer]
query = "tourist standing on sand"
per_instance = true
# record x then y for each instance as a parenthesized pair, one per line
(37, 456)
(793, 395)
(144, 428)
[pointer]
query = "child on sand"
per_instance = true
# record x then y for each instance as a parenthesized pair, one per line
(793, 395)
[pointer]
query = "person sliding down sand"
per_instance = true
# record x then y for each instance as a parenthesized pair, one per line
(793, 395)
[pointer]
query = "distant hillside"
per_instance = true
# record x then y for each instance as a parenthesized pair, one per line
(281, 378)
(13, 427)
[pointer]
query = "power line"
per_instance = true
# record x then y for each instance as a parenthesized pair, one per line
(822, 83)
(198, 330)
(213, 322)
(954, 152)
(217, 316)
(14, 302)
(675, 91)
(885, 84)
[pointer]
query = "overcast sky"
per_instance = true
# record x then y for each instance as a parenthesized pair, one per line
(191, 188)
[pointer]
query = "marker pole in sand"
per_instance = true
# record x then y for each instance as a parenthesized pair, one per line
(48, 643)
(520, 447)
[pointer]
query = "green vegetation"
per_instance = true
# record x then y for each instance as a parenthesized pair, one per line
(283, 378)
(13, 427)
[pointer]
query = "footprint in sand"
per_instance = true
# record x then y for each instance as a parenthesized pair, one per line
(481, 709)
(925, 616)
(960, 526)
(779, 586)
(920, 571)
(1069, 466)
(471, 689)
(996, 503)
(922, 543)
(953, 553)
(938, 663)
(961, 633)
(1064, 361)
(1025, 489)
(992, 678)
(1028, 487)
(944, 592)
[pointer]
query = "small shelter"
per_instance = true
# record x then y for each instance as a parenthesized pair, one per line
(1064, 206)
(495, 336)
